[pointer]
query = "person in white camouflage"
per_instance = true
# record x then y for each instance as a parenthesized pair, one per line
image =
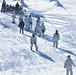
(33, 40)
(68, 65)
(56, 38)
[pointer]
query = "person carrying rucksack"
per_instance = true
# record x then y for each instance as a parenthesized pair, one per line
(3, 6)
(21, 25)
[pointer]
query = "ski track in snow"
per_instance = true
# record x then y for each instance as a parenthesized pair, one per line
(16, 58)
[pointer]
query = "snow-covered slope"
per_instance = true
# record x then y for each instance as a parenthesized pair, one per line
(16, 58)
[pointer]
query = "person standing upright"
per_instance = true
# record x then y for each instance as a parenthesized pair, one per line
(13, 16)
(21, 25)
(42, 27)
(17, 6)
(68, 65)
(20, 16)
(30, 21)
(56, 38)
(26, 23)
(3, 6)
(37, 28)
(33, 40)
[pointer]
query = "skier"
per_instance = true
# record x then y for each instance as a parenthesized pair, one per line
(68, 65)
(26, 23)
(30, 21)
(20, 17)
(13, 16)
(56, 38)
(3, 6)
(21, 25)
(37, 28)
(33, 40)
(42, 27)
(38, 18)
(17, 6)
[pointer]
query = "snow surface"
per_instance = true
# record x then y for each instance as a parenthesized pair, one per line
(16, 58)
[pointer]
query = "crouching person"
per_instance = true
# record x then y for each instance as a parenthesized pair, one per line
(21, 25)
(33, 40)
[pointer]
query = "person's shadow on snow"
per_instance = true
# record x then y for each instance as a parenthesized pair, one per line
(48, 38)
(44, 56)
(67, 51)
(4, 25)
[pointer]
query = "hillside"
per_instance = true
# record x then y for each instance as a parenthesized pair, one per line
(16, 58)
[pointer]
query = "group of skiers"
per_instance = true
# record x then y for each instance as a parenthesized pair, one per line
(27, 22)
(56, 37)
(6, 7)
(39, 30)
(68, 62)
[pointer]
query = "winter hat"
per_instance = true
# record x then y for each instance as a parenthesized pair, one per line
(56, 31)
(68, 56)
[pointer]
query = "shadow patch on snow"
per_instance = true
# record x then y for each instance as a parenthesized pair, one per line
(27, 35)
(9, 13)
(11, 65)
(48, 38)
(67, 51)
(0, 67)
(30, 31)
(70, 42)
(60, 5)
(4, 25)
(36, 15)
(44, 56)
(23, 4)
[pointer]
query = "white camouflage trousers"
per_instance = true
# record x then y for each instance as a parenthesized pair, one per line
(35, 46)
(55, 43)
(69, 71)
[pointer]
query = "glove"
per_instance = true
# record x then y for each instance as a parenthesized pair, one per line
(31, 43)
(64, 66)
